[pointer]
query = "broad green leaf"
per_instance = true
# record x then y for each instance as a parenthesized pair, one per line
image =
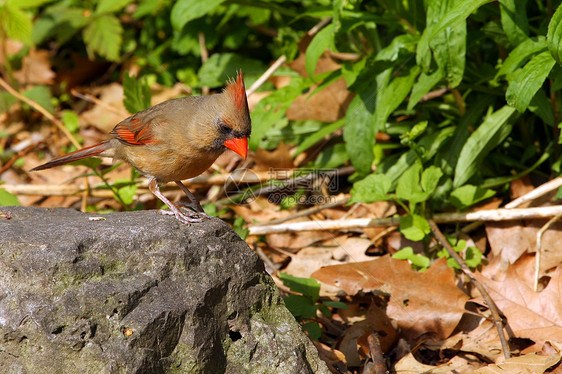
(414, 227)
(541, 106)
(468, 195)
(223, 66)
(184, 11)
(110, 6)
(23, 4)
(301, 306)
(322, 41)
(456, 15)
(358, 132)
(6, 101)
(315, 137)
(524, 83)
(554, 35)
(309, 287)
(422, 86)
(520, 54)
(409, 187)
(41, 95)
(374, 187)
(331, 157)
(391, 96)
(335, 304)
(430, 178)
(126, 190)
(16, 24)
(104, 36)
(271, 109)
(90, 162)
(473, 257)
(486, 137)
(337, 6)
(449, 45)
(7, 199)
(136, 94)
(314, 330)
(404, 253)
(514, 20)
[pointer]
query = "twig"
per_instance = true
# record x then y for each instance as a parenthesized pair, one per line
(266, 75)
(41, 110)
(482, 215)
(95, 100)
(552, 221)
(305, 212)
(376, 354)
(204, 57)
(541, 190)
(17, 156)
(496, 317)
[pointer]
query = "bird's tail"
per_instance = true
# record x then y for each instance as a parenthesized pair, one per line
(76, 155)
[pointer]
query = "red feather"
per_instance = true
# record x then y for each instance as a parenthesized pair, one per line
(134, 132)
(239, 91)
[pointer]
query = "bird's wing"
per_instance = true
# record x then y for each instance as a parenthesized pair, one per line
(134, 131)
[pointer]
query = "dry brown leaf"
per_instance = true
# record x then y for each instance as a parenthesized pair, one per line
(332, 357)
(354, 344)
(280, 158)
(458, 365)
(421, 302)
(352, 249)
(520, 187)
(531, 363)
(102, 117)
(533, 315)
(36, 68)
(310, 259)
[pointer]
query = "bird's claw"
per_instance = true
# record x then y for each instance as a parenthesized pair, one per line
(186, 218)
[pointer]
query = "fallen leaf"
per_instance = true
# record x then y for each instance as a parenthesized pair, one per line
(533, 315)
(100, 115)
(36, 68)
(531, 363)
(421, 302)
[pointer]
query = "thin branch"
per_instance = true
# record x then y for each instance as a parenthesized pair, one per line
(266, 75)
(41, 110)
(377, 354)
(496, 317)
(95, 100)
(539, 246)
(482, 215)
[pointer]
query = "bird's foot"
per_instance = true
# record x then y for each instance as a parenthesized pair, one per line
(186, 218)
(192, 206)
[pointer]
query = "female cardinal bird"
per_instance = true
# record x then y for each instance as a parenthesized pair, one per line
(177, 139)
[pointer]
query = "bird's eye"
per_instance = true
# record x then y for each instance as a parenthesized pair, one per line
(224, 128)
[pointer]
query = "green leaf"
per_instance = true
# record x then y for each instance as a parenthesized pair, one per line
(409, 187)
(459, 13)
(487, 136)
(301, 306)
(7, 199)
(309, 287)
(16, 24)
(358, 133)
(372, 188)
(430, 178)
(238, 227)
(404, 253)
(393, 95)
(554, 35)
(136, 94)
(449, 45)
(184, 11)
(313, 329)
(468, 195)
(90, 162)
(41, 95)
(110, 6)
(315, 137)
(6, 101)
(524, 83)
(473, 257)
(126, 190)
(70, 120)
(514, 20)
(104, 35)
(541, 106)
(321, 41)
(520, 54)
(422, 86)
(222, 66)
(414, 227)
(335, 304)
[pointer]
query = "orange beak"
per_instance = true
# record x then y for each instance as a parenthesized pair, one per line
(238, 145)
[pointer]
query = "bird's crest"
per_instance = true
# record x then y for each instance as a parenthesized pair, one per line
(237, 91)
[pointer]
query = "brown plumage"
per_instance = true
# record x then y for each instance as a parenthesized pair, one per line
(177, 139)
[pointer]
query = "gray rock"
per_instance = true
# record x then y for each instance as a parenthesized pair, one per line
(139, 292)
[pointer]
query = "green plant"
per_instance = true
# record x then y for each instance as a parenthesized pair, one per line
(306, 305)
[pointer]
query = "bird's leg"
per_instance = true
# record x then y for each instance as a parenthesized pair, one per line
(193, 201)
(182, 217)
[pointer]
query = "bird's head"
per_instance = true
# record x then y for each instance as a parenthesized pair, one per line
(234, 124)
